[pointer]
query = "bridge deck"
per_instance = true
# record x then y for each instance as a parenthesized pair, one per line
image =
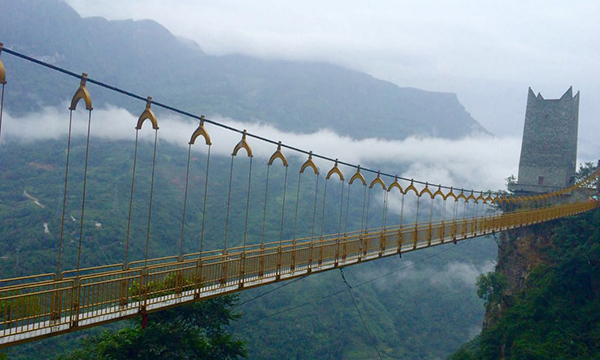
(31, 308)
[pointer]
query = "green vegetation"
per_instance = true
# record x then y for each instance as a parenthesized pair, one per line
(196, 331)
(433, 299)
(585, 170)
(20, 307)
(293, 96)
(490, 287)
(556, 315)
(421, 312)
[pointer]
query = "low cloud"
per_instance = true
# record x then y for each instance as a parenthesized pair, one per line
(451, 275)
(460, 273)
(480, 162)
(488, 53)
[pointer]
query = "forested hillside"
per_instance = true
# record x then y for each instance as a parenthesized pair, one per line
(426, 295)
(143, 57)
(554, 314)
(419, 307)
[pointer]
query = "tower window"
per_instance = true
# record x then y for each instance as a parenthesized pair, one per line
(541, 180)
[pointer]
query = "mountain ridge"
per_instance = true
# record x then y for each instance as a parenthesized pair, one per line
(295, 96)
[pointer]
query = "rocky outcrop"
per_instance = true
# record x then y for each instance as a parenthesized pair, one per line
(520, 251)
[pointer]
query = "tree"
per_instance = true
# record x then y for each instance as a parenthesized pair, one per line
(462, 354)
(490, 287)
(196, 331)
(586, 169)
(511, 180)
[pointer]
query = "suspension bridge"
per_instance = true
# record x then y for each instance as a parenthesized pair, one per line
(48, 304)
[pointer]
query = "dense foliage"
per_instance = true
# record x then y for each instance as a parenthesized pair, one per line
(144, 57)
(196, 331)
(556, 316)
(432, 298)
(490, 287)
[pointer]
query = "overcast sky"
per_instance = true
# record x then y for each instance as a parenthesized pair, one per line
(487, 52)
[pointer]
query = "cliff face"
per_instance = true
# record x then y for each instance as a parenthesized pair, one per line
(520, 251)
(544, 297)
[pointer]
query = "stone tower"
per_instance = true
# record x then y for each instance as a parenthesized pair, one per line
(549, 149)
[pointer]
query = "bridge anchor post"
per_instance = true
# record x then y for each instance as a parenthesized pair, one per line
(55, 305)
(261, 262)
(400, 239)
(429, 234)
(279, 258)
(415, 236)
(198, 279)
(242, 270)
(310, 258)
(337, 252)
(223, 279)
(320, 260)
(123, 293)
(75, 304)
(179, 280)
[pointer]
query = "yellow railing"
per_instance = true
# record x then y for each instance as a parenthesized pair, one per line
(39, 306)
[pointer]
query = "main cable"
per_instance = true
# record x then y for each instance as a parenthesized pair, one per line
(213, 122)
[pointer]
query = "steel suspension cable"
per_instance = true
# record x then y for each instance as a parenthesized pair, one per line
(454, 228)
(283, 206)
(417, 212)
(476, 210)
(360, 314)
(87, 148)
(384, 212)
(455, 210)
(247, 205)
(64, 206)
(1, 109)
(444, 210)
(151, 198)
(341, 210)
(185, 196)
(347, 207)
(228, 205)
(402, 211)
(312, 231)
(296, 211)
(205, 197)
(411, 264)
(323, 212)
(262, 239)
(3, 82)
(135, 151)
(367, 216)
(431, 211)
(213, 122)
(362, 217)
(362, 244)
